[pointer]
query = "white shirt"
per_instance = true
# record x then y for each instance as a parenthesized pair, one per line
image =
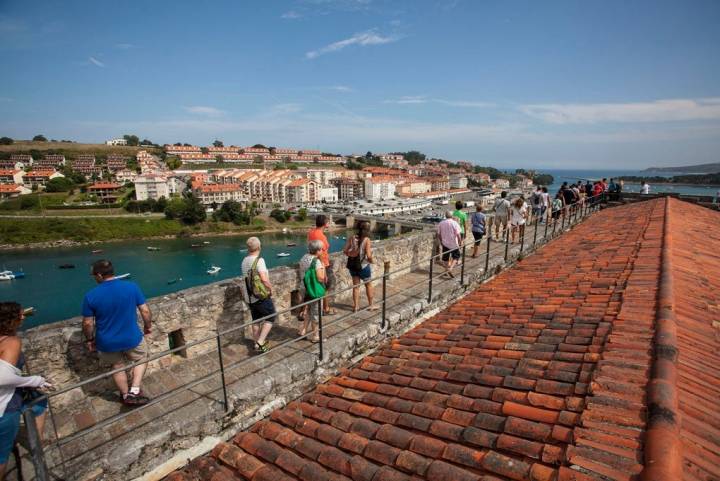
(645, 189)
(546, 199)
(10, 378)
(518, 214)
(502, 206)
(449, 230)
(247, 265)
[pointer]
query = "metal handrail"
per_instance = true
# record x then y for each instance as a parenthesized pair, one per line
(57, 443)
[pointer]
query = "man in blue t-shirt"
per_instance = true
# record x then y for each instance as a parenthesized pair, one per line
(110, 326)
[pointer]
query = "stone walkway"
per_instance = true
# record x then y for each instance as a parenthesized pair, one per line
(182, 418)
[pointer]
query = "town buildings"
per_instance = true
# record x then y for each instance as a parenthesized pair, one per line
(39, 178)
(86, 165)
(106, 192)
(349, 189)
(116, 162)
(116, 142)
(12, 176)
(8, 191)
(151, 187)
(380, 187)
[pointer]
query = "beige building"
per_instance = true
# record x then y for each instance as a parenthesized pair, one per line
(151, 187)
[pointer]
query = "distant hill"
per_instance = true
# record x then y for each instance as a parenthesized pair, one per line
(689, 169)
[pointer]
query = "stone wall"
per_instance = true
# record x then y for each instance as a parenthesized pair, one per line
(57, 352)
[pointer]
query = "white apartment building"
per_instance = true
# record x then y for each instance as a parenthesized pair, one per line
(327, 193)
(379, 188)
(219, 193)
(151, 187)
(116, 142)
(125, 176)
(321, 176)
(458, 182)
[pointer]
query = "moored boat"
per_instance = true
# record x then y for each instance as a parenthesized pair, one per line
(153, 249)
(213, 270)
(66, 266)
(123, 276)
(283, 254)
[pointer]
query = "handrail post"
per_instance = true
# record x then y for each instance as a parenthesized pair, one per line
(562, 214)
(537, 222)
(547, 224)
(222, 374)
(462, 265)
(386, 269)
(320, 327)
(487, 254)
(35, 444)
(507, 243)
(430, 278)
(522, 239)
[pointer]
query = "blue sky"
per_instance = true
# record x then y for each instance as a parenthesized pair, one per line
(569, 84)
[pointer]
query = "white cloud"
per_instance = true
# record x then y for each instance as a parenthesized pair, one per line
(362, 39)
(291, 15)
(666, 110)
(204, 110)
(95, 62)
(423, 99)
(408, 99)
(341, 88)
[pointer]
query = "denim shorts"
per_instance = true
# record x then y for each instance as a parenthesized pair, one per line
(364, 274)
(10, 425)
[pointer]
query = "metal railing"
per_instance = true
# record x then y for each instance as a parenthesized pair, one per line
(570, 214)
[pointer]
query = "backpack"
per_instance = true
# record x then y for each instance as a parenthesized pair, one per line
(314, 288)
(354, 263)
(254, 284)
(536, 199)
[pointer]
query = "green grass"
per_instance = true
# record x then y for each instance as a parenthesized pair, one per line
(24, 231)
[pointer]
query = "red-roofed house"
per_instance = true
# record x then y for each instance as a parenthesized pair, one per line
(218, 193)
(40, 177)
(11, 176)
(107, 192)
(8, 191)
(302, 191)
(50, 161)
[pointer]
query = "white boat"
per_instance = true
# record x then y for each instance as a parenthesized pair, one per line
(10, 275)
(213, 270)
(123, 276)
(206, 242)
(6, 277)
(285, 230)
(283, 254)
(152, 249)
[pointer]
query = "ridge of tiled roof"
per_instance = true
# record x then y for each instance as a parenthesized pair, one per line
(564, 367)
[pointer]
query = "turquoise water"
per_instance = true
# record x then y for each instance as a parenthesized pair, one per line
(571, 176)
(57, 293)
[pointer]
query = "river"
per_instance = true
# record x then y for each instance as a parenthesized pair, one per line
(57, 294)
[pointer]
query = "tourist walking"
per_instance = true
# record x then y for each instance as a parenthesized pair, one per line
(536, 200)
(448, 233)
(322, 223)
(461, 217)
(312, 273)
(259, 294)
(16, 390)
(358, 250)
(518, 218)
(546, 202)
(477, 222)
(110, 326)
(557, 206)
(645, 189)
(502, 213)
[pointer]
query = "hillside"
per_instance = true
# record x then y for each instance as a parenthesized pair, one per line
(689, 169)
(69, 149)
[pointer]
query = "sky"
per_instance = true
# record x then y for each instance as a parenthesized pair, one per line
(555, 84)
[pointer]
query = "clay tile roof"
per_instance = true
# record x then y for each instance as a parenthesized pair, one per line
(594, 359)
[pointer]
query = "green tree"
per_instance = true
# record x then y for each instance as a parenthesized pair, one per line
(29, 201)
(132, 140)
(174, 208)
(6, 141)
(232, 211)
(193, 211)
(414, 157)
(146, 142)
(59, 184)
(301, 214)
(204, 150)
(258, 159)
(218, 143)
(173, 162)
(278, 215)
(259, 146)
(39, 138)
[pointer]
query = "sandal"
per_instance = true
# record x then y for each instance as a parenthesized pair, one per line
(131, 399)
(262, 347)
(329, 312)
(314, 339)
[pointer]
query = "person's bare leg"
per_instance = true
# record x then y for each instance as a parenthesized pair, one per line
(2, 471)
(356, 293)
(120, 378)
(40, 423)
(369, 294)
(255, 329)
(137, 375)
(264, 332)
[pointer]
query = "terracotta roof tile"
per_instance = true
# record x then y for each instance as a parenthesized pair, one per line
(544, 373)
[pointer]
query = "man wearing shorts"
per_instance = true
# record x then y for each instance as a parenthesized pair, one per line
(110, 326)
(318, 233)
(502, 213)
(478, 228)
(449, 237)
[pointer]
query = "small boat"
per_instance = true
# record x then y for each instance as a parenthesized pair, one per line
(153, 249)
(283, 254)
(123, 276)
(29, 311)
(66, 266)
(206, 242)
(284, 230)
(195, 246)
(291, 244)
(10, 275)
(96, 251)
(213, 270)
(174, 281)
(6, 277)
